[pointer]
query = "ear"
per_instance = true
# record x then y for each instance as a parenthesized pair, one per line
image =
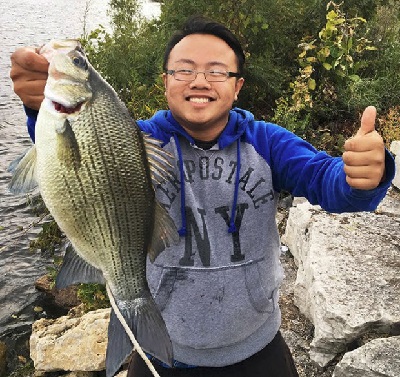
(165, 79)
(238, 87)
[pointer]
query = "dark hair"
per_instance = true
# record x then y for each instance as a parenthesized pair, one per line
(203, 25)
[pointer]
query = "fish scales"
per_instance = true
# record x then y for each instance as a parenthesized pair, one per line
(94, 169)
(103, 197)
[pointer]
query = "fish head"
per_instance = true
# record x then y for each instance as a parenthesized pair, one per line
(58, 45)
(68, 88)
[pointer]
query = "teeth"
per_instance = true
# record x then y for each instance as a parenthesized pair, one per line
(199, 100)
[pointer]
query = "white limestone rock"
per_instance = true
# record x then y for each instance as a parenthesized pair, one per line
(378, 358)
(395, 149)
(348, 274)
(70, 344)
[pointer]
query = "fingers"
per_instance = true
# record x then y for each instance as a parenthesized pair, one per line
(29, 75)
(366, 174)
(28, 59)
(366, 142)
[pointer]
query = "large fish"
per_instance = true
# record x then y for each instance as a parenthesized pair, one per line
(95, 170)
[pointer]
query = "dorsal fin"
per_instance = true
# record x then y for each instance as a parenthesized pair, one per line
(159, 159)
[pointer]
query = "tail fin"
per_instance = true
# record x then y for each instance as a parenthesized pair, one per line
(146, 323)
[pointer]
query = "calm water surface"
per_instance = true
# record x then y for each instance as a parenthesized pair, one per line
(23, 23)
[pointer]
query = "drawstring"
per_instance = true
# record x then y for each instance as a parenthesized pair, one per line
(182, 231)
(232, 226)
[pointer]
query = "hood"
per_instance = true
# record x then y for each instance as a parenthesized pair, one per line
(236, 126)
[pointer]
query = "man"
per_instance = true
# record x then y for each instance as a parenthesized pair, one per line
(218, 289)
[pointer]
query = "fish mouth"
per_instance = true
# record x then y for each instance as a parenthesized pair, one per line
(66, 110)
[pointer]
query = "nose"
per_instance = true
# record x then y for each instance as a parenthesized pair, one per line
(200, 81)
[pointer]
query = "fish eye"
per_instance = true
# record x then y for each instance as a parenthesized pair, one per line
(80, 62)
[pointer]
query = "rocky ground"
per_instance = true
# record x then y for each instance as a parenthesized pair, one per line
(296, 328)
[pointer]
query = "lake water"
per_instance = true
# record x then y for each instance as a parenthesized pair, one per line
(24, 23)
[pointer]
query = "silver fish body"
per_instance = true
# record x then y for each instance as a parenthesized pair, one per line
(95, 180)
(94, 168)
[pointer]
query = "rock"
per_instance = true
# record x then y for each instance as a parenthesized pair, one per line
(395, 149)
(378, 358)
(65, 298)
(80, 374)
(348, 275)
(70, 344)
(122, 374)
(3, 359)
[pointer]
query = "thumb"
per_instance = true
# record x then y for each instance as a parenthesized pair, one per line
(367, 121)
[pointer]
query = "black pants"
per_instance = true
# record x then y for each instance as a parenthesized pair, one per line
(275, 360)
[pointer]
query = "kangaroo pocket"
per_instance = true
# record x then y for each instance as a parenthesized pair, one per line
(214, 307)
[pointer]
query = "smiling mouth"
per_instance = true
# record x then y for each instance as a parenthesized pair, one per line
(66, 110)
(199, 100)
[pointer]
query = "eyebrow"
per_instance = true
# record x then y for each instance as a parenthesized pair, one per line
(189, 61)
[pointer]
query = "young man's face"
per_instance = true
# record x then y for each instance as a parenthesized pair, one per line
(202, 107)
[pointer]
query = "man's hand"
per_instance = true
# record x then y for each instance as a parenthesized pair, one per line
(364, 155)
(29, 75)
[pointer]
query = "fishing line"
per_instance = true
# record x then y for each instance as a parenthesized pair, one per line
(129, 332)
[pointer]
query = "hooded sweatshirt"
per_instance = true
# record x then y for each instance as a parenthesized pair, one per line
(218, 288)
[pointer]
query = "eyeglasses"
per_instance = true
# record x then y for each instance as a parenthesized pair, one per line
(191, 74)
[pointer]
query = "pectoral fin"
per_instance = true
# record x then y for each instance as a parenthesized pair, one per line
(165, 233)
(67, 146)
(159, 159)
(75, 270)
(23, 179)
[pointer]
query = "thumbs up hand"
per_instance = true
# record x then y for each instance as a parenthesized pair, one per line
(364, 156)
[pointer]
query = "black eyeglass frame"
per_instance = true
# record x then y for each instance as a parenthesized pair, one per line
(227, 74)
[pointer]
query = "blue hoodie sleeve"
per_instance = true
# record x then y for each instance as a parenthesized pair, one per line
(31, 121)
(303, 171)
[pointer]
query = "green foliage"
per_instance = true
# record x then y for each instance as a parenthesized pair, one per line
(129, 58)
(93, 297)
(380, 84)
(329, 71)
(329, 63)
(49, 237)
